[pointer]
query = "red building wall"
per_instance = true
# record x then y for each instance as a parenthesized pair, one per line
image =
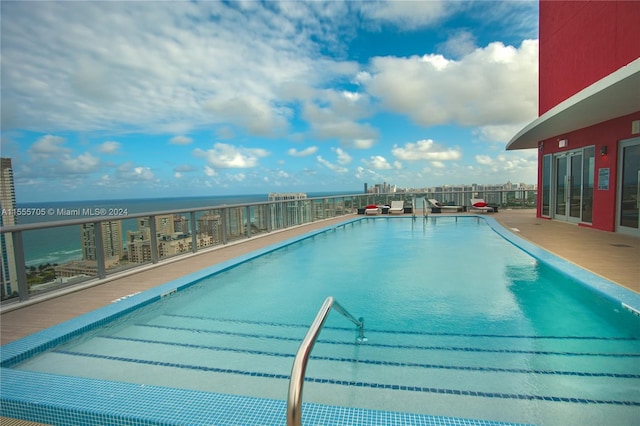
(582, 42)
(606, 134)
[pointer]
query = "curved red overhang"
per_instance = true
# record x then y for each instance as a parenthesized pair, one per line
(615, 95)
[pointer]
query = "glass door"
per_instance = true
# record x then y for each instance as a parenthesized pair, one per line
(561, 188)
(574, 189)
(546, 186)
(629, 188)
(568, 191)
(588, 175)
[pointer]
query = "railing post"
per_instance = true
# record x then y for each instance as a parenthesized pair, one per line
(193, 228)
(247, 212)
(153, 230)
(284, 209)
(224, 220)
(21, 272)
(99, 240)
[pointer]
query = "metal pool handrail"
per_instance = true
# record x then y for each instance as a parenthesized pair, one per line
(294, 399)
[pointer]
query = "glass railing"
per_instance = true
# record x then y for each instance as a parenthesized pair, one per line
(94, 248)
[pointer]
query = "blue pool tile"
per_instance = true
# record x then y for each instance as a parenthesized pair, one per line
(77, 401)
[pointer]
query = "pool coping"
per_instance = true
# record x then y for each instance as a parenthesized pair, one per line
(39, 396)
(628, 299)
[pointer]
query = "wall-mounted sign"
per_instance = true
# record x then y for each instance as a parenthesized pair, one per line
(603, 179)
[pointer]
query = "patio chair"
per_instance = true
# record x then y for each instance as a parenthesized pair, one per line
(437, 206)
(480, 205)
(397, 207)
(371, 210)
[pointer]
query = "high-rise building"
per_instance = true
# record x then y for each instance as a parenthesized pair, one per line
(139, 242)
(210, 224)
(111, 240)
(164, 224)
(181, 224)
(587, 134)
(7, 204)
(294, 214)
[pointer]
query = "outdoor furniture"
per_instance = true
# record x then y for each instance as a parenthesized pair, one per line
(437, 206)
(371, 210)
(397, 207)
(480, 205)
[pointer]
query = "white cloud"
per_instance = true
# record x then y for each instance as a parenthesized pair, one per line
(49, 145)
(83, 163)
(338, 114)
(459, 44)
(109, 147)
(282, 174)
(485, 160)
(184, 168)
(498, 133)
(164, 67)
(127, 172)
(270, 69)
(225, 132)
(257, 116)
(105, 180)
(517, 166)
(343, 157)
(180, 140)
(495, 85)
(302, 153)
(237, 177)
(362, 143)
(365, 173)
(377, 162)
(408, 15)
(48, 156)
(225, 156)
(426, 150)
(334, 167)
(209, 171)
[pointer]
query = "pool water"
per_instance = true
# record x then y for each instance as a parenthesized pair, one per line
(459, 322)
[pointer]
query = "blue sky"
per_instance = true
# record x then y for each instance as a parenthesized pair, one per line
(141, 99)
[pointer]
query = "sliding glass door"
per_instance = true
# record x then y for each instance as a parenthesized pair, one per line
(561, 188)
(568, 186)
(628, 209)
(546, 185)
(572, 190)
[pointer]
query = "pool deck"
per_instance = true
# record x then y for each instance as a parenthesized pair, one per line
(612, 256)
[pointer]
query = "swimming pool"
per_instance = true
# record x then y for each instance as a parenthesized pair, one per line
(460, 323)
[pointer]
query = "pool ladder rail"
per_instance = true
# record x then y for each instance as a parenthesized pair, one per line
(294, 399)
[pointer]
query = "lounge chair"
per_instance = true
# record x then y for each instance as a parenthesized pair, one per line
(397, 207)
(371, 210)
(481, 205)
(437, 206)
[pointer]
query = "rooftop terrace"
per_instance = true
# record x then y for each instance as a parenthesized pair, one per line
(610, 255)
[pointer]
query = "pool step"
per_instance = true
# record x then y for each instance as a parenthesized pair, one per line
(428, 373)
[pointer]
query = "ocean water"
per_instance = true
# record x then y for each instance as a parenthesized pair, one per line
(62, 244)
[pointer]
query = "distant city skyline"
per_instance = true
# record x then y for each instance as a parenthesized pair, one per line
(117, 100)
(386, 187)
